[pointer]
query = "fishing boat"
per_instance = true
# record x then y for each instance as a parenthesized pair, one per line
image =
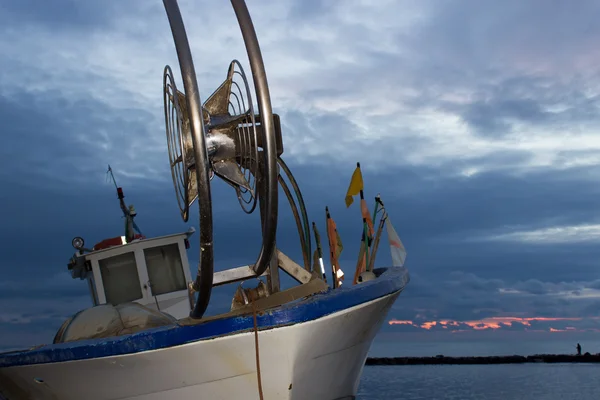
(147, 334)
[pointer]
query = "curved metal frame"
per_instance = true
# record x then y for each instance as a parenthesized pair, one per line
(204, 279)
(301, 233)
(179, 171)
(269, 139)
(303, 212)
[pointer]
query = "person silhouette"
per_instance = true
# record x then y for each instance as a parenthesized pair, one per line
(578, 349)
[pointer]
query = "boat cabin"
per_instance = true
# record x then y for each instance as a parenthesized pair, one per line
(153, 272)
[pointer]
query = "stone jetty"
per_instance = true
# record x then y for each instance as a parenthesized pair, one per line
(440, 359)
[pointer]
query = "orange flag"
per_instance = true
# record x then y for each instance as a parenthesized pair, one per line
(365, 214)
(361, 265)
(335, 249)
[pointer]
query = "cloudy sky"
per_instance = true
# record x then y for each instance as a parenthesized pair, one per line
(477, 121)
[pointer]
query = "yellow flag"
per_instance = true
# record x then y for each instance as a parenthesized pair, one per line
(356, 185)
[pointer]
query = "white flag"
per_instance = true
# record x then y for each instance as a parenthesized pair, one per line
(396, 247)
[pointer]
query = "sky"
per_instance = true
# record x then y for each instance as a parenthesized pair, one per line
(477, 121)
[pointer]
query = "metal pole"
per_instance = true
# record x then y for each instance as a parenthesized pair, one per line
(204, 279)
(266, 113)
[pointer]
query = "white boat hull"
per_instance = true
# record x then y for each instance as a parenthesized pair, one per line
(318, 359)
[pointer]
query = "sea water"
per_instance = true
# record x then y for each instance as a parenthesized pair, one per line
(394, 347)
(481, 382)
(486, 382)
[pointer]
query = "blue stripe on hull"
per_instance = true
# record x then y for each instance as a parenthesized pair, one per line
(389, 281)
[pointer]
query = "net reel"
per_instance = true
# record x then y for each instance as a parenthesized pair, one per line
(223, 137)
(231, 139)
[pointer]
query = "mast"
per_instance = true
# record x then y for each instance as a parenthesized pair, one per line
(128, 212)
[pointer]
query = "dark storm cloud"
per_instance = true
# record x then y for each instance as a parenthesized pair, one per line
(56, 147)
(504, 61)
(480, 34)
(60, 285)
(490, 117)
(50, 136)
(305, 133)
(511, 58)
(57, 14)
(470, 299)
(496, 112)
(437, 220)
(38, 142)
(457, 279)
(451, 278)
(310, 10)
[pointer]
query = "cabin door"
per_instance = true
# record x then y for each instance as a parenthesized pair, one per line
(166, 278)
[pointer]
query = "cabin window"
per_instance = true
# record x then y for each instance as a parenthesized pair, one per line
(165, 269)
(120, 279)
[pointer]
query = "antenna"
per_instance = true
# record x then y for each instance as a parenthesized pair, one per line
(128, 212)
(112, 176)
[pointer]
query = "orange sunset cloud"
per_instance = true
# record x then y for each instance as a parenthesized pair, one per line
(492, 323)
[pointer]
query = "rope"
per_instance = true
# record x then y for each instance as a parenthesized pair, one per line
(258, 378)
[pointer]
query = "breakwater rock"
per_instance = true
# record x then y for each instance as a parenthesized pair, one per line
(538, 358)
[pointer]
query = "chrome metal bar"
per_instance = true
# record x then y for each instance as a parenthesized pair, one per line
(234, 275)
(269, 138)
(204, 278)
(292, 269)
(272, 270)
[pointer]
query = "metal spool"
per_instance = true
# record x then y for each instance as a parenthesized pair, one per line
(231, 139)
(222, 137)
